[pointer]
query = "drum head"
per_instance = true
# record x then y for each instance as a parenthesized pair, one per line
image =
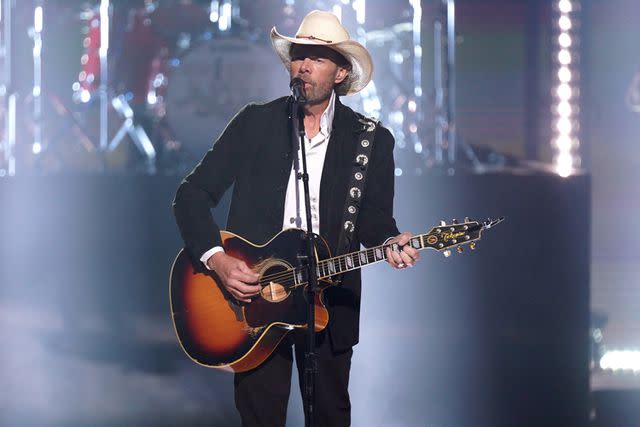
(211, 82)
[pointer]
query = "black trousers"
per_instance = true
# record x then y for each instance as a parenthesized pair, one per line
(262, 394)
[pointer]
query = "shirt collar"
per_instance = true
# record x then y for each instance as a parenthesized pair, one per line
(326, 120)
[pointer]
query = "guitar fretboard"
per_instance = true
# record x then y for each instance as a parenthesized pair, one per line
(355, 260)
(440, 238)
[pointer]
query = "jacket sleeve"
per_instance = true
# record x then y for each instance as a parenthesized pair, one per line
(376, 222)
(204, 186)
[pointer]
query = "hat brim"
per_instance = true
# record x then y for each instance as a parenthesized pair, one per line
(354, 52)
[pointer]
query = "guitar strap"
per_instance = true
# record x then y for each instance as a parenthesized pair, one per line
(357, 184)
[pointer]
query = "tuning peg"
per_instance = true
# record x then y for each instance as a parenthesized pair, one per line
(442, 223)
(460, 249)
(455, 221)
(446, 253)
(472, 245)
(466, 219)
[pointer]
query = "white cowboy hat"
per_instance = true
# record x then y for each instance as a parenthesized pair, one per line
(324, 29)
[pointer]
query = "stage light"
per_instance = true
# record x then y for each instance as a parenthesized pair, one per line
(564, 40)
(224, 22)
(563, 143)
(213, 11)
(565, 6)
(85, 96)
(337, 10)
(359, 7)
(37, 19)
(396, 118)
(564, 23)
(564, 140)
(564, 109)
(564, 126)
(564, 57)
(564, 74)
(564, 91)
(621, 360)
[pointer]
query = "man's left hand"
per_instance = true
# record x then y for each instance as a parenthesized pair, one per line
(407, 256)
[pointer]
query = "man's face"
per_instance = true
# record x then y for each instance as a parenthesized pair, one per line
(317, 67)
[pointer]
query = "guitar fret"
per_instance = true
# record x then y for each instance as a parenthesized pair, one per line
(377, 253)
(370, 257)
(332, 267)
(415, 243)
(363, 258)
(349, 262)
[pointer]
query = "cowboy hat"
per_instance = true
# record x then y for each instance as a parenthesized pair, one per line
(324, 29)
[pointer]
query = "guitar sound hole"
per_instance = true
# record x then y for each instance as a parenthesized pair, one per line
(277, 289)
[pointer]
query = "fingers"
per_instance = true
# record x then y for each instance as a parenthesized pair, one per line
(245, 269)
(407, 256)
(241, 291)
(239, 280)
(243, 273)
(404, 238)
(395, 259)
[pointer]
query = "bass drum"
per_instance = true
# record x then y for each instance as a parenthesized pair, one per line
(211, 82)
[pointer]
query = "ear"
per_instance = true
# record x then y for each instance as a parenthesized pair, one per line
(341, 74)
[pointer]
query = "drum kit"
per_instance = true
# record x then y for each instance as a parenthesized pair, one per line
(159, 79)
(176, 74)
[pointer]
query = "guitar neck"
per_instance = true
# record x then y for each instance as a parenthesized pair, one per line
(440, 238)
(355, 260)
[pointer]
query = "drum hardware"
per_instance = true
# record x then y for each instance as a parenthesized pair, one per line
(134, 131)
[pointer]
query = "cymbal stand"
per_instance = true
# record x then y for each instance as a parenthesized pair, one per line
(135, 132)
(119, 104)
(445, 85)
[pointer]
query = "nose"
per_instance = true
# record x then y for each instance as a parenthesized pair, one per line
(305, 67)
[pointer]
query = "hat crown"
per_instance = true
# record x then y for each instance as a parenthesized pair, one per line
(323, 26)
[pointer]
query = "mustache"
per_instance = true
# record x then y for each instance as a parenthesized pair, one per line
(307, 81)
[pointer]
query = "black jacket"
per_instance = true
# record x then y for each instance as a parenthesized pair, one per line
(254, 152)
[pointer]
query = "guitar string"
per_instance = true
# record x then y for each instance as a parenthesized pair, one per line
(341, 260)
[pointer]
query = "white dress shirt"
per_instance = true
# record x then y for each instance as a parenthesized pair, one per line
(294, 209)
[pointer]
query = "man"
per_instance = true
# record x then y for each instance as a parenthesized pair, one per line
(255, 154)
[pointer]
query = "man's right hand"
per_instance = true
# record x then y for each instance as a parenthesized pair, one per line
(236, 276)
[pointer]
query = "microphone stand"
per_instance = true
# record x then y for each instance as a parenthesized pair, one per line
(310, 356)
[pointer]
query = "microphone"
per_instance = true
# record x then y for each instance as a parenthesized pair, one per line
(297, 90)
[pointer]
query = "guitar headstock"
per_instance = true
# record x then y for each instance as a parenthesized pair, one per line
(445, 237)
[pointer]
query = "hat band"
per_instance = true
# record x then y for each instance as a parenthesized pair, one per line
(313, 38)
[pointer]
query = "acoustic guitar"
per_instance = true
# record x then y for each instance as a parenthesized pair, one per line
(215, 330)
